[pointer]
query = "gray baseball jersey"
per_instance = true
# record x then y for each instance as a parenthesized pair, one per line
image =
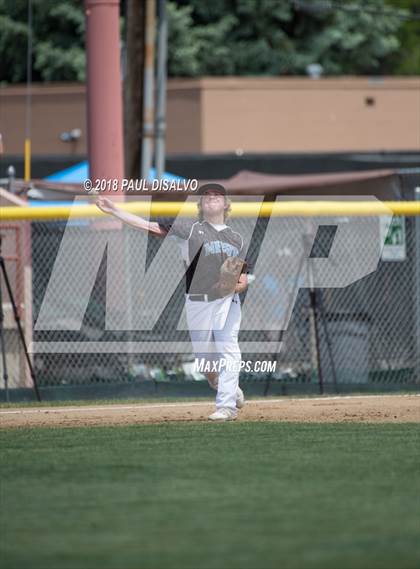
(204, 248)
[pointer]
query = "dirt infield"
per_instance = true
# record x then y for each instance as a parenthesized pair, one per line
(361, 408)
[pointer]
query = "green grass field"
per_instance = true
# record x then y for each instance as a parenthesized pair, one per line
(237, 496)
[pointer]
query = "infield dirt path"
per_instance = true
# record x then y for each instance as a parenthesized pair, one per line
(356, 409)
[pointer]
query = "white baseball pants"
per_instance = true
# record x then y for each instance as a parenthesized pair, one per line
(214, 328)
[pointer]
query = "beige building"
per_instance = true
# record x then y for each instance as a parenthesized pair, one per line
(240, 114)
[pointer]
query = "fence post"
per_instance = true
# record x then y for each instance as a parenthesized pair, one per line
(417, 286)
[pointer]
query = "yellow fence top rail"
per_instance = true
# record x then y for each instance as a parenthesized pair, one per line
(306, 208)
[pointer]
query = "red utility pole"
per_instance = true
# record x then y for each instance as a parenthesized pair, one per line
(104, 102)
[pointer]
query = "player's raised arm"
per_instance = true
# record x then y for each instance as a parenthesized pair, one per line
(107, 206)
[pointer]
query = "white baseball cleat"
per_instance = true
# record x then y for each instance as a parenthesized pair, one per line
(240, 398)
(223, 414)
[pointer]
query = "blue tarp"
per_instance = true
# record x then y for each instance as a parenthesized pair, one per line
(50, 203)
(80, 172)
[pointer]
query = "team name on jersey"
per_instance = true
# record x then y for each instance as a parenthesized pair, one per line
(215, 247)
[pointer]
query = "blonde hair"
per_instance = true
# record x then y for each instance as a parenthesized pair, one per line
(225, 213)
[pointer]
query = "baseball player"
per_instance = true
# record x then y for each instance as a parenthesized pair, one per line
(215, 276)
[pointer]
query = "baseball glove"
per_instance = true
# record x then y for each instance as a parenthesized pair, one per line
(229, 276)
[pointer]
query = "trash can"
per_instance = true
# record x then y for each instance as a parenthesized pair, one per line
(348, 335)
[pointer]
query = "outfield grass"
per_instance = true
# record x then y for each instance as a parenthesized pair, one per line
(203, 496)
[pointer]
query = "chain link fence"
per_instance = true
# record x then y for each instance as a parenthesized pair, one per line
(365, 334)
(15, 275)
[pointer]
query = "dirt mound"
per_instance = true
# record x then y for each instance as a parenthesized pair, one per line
(357, 409)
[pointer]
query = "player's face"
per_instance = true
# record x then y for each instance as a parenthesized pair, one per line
(213, 202)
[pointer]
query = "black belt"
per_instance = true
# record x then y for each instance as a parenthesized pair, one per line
(203, 297)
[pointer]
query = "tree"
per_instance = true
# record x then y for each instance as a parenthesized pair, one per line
(353, 43)
(228, 37)
(58, 40)
(281, 37)
(407, 60)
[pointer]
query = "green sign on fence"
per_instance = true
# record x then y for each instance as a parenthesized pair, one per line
(394, 246)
